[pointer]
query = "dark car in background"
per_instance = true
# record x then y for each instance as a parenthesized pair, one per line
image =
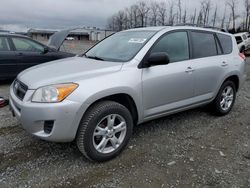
(18, 52)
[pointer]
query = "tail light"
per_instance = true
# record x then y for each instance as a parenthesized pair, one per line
(242, 56)
(3, 102)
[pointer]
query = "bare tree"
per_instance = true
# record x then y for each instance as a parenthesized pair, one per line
(179, 5)
(205, 8)
(111, 23)
(162, 13)
(184, 19)
(200, 18)
(143, 11)
(233, 15)
(129, 14)
(229, 21)
(120, 20)
(154, 7)
(142, 14)
(223, 18)
(214, 16)
(134, 11)
(171, 13)
(247, 9)
(193, 17)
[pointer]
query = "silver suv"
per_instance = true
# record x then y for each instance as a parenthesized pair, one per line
(129, 78)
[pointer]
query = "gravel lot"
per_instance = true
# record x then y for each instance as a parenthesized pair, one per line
(189, 149)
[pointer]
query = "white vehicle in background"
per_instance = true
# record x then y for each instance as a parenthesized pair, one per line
(243, 41)
(70, 38)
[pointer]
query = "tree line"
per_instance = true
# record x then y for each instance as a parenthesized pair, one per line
(172, 12)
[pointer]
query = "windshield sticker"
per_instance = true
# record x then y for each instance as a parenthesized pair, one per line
(137, 40)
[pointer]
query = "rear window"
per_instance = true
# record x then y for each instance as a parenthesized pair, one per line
(203, 44)
(226, 43)
(238, 40)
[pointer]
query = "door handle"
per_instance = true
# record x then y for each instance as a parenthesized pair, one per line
(189, 70)
(20, 53)
(224, 64)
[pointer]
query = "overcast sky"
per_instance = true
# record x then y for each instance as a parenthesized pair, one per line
(16, 14)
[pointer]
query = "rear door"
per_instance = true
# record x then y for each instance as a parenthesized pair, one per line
(7, 58)
(209, 62)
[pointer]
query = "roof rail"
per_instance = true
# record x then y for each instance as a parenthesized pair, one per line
(206, 26)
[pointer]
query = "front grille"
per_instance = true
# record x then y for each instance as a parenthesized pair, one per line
(19, 89)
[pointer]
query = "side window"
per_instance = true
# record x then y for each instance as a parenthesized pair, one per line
(175, 45)
(4, 44)
(226, 43)
(22, 44)
(238, 39)
(203, 44)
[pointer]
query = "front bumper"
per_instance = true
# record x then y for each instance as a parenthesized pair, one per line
(32, 116)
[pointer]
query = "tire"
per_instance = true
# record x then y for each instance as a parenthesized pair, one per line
(102, 119)
(219, 107)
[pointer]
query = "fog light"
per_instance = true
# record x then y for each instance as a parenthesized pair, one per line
(48, 126)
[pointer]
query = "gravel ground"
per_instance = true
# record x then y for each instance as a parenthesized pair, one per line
(189, 149)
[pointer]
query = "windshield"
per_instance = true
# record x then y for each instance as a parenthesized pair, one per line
(120, 47)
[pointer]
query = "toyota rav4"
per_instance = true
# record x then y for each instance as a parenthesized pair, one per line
(128, 78)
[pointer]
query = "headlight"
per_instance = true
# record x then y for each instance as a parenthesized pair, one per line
(53, 93)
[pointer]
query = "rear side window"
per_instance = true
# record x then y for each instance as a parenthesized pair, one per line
(4, 45)
(238, 40)
(203, 44)
(226, 43)
(175, 45)
(244, 37)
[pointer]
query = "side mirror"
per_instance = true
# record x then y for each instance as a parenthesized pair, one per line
(158, 58)
(45, 50)
(3, 102)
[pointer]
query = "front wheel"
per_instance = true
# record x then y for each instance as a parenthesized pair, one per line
(224, 101)
(104, 131)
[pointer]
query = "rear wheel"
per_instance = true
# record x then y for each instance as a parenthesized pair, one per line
(104, 131)
(224, 101)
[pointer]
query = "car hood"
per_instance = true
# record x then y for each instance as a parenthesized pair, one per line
(57, 39)
(66, 70)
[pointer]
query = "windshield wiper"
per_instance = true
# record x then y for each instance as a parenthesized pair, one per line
(94, 57)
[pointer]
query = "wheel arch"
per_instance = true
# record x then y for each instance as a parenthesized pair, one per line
(123, 99)
(235, 79)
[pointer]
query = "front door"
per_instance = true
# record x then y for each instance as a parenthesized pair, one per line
(169, 87)
(7, 59)
(28, 52)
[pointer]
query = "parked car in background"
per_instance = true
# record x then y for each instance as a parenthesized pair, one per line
(18, 52)
(243, 41)
(70, 38)
(98, 97)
